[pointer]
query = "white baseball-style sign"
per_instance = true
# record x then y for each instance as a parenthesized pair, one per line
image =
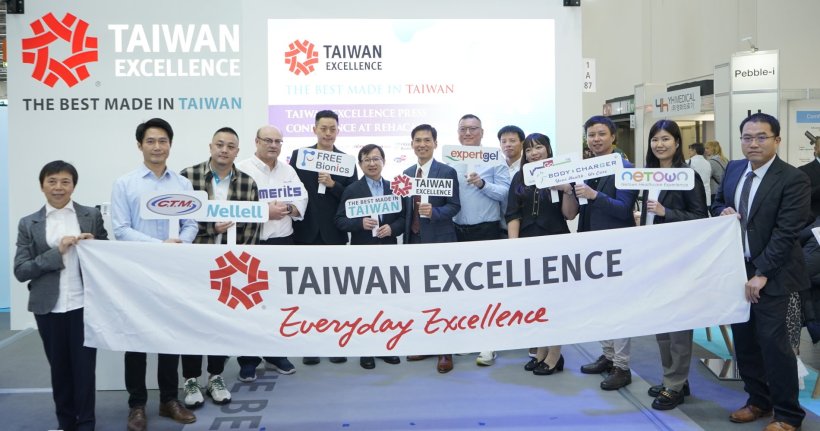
(578, 171)
(285, 192)
(331, 162)
(194, 204)
(655, 180)
(373, 207)
(533, 170)
(471, 156)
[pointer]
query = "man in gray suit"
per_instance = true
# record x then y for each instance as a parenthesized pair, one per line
(47, 259)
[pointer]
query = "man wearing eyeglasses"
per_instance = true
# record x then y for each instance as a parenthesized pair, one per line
(772, 201)
(270, 173)
(387, 226)
(483, 195)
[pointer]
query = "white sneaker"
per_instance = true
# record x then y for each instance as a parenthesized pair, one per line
(217, 390)
(485, 359)
(193, 394)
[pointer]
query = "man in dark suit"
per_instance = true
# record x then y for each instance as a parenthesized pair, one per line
(318, 226)
(607, 208)
(430, 222)
(771, 198)
(812, 169)
(387, 226)
(47, 259)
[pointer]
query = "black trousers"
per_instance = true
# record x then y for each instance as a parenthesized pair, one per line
(192, 365)
(765, 359)
(478, 232)
(167, 378)
(72, 368)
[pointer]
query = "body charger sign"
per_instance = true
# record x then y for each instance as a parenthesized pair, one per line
(411, 299)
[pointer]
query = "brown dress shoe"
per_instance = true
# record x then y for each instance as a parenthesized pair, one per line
(136, 419)
(445, 363)
(781, 426)
(175, 410)
(412, 358)
(748, 413)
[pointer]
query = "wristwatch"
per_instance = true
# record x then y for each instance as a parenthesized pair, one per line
(290, 209)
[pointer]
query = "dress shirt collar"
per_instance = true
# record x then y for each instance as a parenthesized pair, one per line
(69, 206)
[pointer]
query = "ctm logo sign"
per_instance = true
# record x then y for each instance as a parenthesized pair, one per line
(229, 265)
(52, 37)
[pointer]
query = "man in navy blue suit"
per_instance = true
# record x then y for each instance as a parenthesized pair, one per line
(430, 222)
(772, 200)
(607, 208)
(387, 226)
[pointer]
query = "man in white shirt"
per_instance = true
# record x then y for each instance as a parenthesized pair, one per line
(702, 167)
(273, 179)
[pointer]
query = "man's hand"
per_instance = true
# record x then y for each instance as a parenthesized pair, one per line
(426, 210)
(173, 241)
(730, 211)
(754, 286)
(66, 242)
(222, 226)
(384, 231)
(474, 179)
(584, 191)
(369, 223)
(326, 179)
(277, 210)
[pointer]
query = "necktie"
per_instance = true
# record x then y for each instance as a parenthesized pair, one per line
(743, 206)
(415, 226)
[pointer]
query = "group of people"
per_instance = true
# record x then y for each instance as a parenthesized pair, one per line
(492, 202)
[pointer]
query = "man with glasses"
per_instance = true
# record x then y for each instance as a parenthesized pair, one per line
(772, 200)
(318, 226)
(387, 226)
(607, 208)
(483, 195)
(270, 173)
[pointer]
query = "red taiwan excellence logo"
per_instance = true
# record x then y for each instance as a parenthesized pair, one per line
(48, 31)
(228, 265)
(301, 56)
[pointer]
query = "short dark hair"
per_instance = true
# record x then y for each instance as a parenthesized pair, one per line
(468, 116)
(762, 118)
(674, 130)
(157, 123)
(56, 167)
(327, 113)
(426, 127)
(511, 129)
(227, 130)
(698, 148)
(536, 138)
(367, 149)
(600, 119)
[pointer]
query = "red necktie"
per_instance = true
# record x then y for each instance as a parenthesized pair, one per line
(415, 226)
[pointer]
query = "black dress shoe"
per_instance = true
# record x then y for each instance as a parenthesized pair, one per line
(392, 360)
(367, 362)
(616, 379)
(599, 366)
(310, 360)
(667, 400)
(654, 391)
(532, 364)
(338, 359)
(544, 370)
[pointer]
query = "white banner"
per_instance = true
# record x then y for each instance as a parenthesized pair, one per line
(412, 299)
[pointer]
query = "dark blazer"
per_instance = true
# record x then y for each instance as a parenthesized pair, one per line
(812, 169)
(778, 212)
(439, 227)
(359, 236)
(321, 208)
(612, 208)
(39, 264)
(680, 205)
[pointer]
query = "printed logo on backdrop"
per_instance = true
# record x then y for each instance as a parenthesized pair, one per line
(229, 265)
(49, 32)
(301, 57)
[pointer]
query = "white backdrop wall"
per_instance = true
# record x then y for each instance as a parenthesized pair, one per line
(101, 142)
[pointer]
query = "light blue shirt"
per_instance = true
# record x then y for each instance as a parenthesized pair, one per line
(482, 205)
(376, 188)
(125, 206)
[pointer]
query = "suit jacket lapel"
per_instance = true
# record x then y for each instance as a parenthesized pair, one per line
(83, 219)
(766, 183)
(731, 184)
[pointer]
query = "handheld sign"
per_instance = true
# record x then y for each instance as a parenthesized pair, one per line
(655, 180)
(533, 170)
(471, 156)
(190, 204)
(581, 170)
(316, 160)
(402, 185)
(373, 207)
(285, 192)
